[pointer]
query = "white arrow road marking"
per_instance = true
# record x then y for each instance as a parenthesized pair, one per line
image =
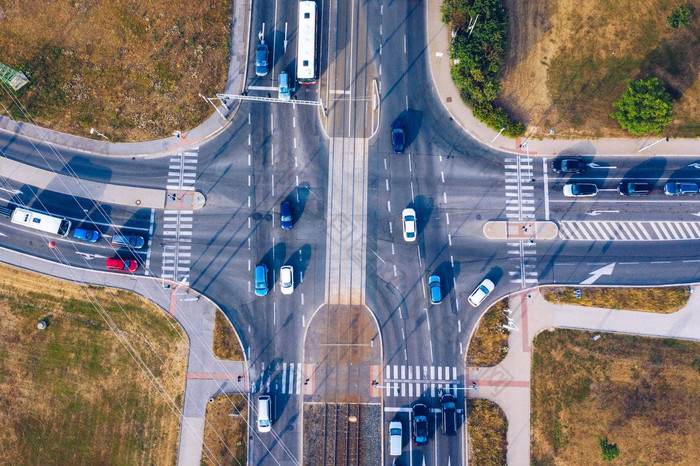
(596, 274)
(598, 212)
(87, 256)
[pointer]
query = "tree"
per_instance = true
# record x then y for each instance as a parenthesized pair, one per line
(608, 450)
(679, 17)
(644, 108)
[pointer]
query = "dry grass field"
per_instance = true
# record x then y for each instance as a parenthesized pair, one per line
(488, 427)
(661, 300)
(569, 59)
(226, 344)
(640, 393)
(131, 69)
(489, 344)
(226, 431)
(71, 393)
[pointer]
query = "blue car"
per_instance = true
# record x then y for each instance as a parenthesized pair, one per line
(261, 280)
(398, 137)
(133, 241)
(435, 291)
(261, 52)
(286, 215)
(91, 236)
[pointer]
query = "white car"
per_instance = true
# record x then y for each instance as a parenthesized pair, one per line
(409, 224)
(481, 292)
(580, 190)
(287, 279)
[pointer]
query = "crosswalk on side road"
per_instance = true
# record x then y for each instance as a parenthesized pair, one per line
(416, 381)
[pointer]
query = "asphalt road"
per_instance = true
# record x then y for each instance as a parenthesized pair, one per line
(274, 152)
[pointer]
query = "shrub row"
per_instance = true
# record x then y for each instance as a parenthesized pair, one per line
(478, 57)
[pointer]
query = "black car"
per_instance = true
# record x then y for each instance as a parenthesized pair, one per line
(398, 137)
(634, 188)
(568, 165)
(420, 424)
(449, 414)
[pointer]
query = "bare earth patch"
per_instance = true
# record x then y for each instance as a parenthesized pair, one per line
(226, 431)
(640, 393)
(72, 393)
(661, 300)
(569, 59)
(488, 428)
(130, 69)
(489, 344)
(226, 343)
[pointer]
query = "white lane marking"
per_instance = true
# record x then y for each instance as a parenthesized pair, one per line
(546, 188)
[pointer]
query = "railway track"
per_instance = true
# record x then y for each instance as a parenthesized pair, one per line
(342, 441)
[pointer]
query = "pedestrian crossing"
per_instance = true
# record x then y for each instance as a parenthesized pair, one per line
(287, 381)
(520, 207)
(628, 231)
(419, 381)
(524, 253)
(177, 224)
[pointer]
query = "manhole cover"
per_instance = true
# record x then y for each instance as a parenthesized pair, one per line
(257, 216)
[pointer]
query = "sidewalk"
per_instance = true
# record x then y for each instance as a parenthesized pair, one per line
(160, 147)
(206, 375)
(438, 36)
(508, 383)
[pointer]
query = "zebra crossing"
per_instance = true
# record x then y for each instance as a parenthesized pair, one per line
(628, 230)
(520, 190)
(289, 381)
(525, 274)
(417, 381)
(177, 224)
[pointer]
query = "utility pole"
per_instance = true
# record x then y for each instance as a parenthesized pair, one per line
(13, 78)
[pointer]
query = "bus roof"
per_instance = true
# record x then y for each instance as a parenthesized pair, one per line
(306, 42)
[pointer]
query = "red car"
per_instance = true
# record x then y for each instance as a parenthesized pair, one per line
(121, 265)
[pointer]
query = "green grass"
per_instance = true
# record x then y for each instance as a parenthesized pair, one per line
(487, 433)
(226, 343)
(662, 300)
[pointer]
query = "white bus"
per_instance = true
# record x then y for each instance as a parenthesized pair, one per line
(306, 43)
(41, 222)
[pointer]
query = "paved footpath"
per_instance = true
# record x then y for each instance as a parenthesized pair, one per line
(508, 383)
(438, 36)
(206, 375)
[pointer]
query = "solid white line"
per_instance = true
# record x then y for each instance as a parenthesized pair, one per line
(262, 88)
(546, 190)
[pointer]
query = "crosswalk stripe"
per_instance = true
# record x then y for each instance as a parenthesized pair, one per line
(284, 378)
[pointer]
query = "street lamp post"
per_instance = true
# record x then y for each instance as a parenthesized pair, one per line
(653, 144)
(499, 133)
(94, 131)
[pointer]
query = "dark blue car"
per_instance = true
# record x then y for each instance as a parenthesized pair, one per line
(91, 236)
(398, 137)
(286, 215)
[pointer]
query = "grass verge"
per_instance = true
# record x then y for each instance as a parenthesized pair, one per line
(226, 344)
(489, 344)
(72, 393)
(661, 300)
(488, 427)
(226, 431)
(640, 394)
(131, 69)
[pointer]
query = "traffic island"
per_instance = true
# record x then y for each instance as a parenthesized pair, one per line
(521, 230)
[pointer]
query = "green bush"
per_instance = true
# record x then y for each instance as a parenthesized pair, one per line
(679, 17)
(645, 107)
(479, 56)
(608, 450)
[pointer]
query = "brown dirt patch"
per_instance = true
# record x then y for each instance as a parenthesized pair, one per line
(489, 344)
(72, 393)
(226, 343)
(488, 428)
(568, 62)
(130, 69)
(226, 431)
(640, 393)
(662, 300)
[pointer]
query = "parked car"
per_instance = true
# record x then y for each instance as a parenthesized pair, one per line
(286, 215)
(568, 165)
(634, 188)
(261, 53)
(398, 137)
(287, 279)
(449, 414)
(435, 291)
(128, 265)
(284, 91)
(420, 424)
(261, 280)
(580, 190)
(83, 234)
(133, 241)
(481, 292)
(680, 188)
(409, 224)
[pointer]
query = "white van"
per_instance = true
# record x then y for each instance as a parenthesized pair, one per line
(285, 93)
(264, 410)
(395, 430)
